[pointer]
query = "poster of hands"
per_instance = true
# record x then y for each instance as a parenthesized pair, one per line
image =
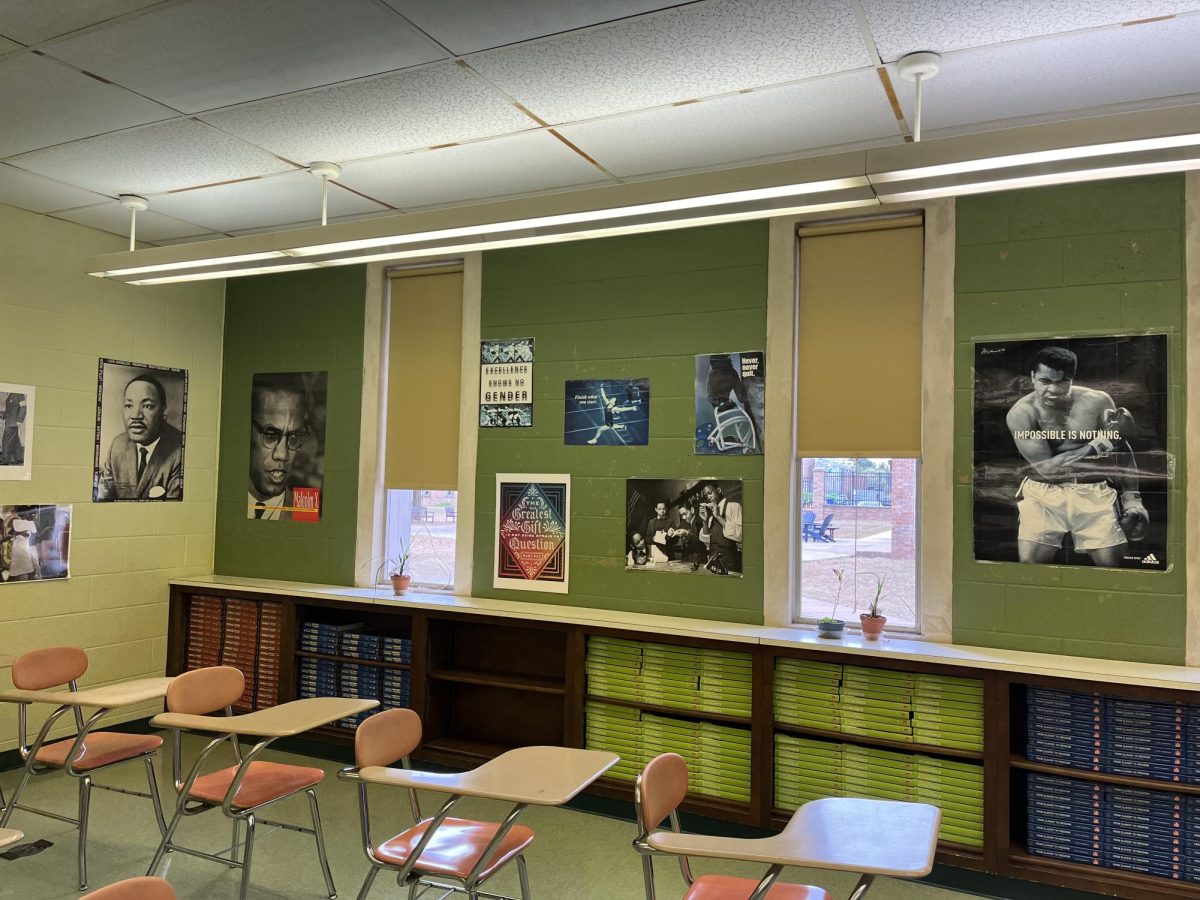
(1070, 462)
(687, 526)
(141, 424)
(16, 431)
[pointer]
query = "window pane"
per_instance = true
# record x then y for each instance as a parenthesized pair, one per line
(424, 522)
(858, 525)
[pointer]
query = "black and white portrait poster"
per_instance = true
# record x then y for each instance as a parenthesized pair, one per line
(141, 425)
(688, 526)
(533, 532)
(34, 543)
(1070, 451)
(287, 446)
(16, 431)
(614, 413)
(506, 383)
(730, 403)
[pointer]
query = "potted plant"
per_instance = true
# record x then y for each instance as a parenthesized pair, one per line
(873, 620)
(394, 566)
(830, 626)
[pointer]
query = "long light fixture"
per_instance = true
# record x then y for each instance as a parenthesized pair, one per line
(1166, 140)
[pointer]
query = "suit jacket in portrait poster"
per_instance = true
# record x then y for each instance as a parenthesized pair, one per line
(139, 406)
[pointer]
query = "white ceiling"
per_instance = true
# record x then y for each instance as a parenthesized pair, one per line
(211, 108)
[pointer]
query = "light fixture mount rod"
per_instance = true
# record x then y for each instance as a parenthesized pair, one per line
(918, 67)
(325, 171)
(133, 203)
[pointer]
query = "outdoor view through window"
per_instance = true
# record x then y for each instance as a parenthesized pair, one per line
(423, 524)
(858, 532)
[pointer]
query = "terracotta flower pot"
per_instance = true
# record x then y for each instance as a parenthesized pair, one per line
(400, 584)
(872, 626)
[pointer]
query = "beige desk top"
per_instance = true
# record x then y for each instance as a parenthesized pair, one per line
(111, 696)
(539, 776)
(880, 837)
(284, 720)
(10, 836)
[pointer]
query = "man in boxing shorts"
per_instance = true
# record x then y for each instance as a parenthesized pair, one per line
(1075, 441)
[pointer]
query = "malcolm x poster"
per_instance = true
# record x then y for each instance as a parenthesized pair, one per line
(1070, 462)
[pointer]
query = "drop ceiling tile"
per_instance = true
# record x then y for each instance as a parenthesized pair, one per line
(694, 51)
(437, 104)
(6, 45)
(31, 21)
(465, 26)
(1059, 76)
(37, 194)
(155, 158)
(112, 217)
(190, 239)
(312, 223)
(903, 26)
(824, 112)
(262, 203)
(518, 164)
(44, 102)
(203, 55)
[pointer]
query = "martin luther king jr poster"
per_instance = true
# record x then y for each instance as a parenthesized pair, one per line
(1070, 461)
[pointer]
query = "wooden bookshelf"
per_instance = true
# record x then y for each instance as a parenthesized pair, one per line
(484, 684)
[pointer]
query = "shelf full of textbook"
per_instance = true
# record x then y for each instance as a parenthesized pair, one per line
(1079, 783)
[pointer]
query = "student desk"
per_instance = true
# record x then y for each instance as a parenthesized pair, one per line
(874, 837)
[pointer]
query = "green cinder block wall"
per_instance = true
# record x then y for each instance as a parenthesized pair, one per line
(1101, 258)
(296, 322)
(627, 307)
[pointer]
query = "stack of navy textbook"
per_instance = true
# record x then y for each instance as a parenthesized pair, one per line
(1155, 831)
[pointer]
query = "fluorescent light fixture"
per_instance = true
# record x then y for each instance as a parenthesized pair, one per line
(594, 215)
(1084, 149)
(225, 273)
(191, 264)
(565, 236)
(1037, 157)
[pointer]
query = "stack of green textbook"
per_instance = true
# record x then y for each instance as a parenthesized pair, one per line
(808, 770)
(938, 710)
(718, 756)
(691, 679)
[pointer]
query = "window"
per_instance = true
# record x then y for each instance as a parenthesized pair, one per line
(858, 527)
(424, 523)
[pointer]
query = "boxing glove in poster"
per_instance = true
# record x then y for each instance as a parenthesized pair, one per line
(1070, 458)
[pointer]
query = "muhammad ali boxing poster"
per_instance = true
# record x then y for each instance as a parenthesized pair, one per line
(533, 547)
(1070, 461)
(730, 407)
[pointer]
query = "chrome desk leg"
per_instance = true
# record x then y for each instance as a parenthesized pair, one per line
(317, 833)
(154, 798)
(860, 889)
(246, 857)
(367, 882)
(524, 876)
(237, 843)
(85, 802)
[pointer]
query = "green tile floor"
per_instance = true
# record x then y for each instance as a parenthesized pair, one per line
(575, 856)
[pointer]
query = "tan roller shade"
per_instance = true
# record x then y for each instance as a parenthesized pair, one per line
(424, 364)
(858, 390)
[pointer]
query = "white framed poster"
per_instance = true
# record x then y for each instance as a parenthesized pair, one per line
(35, 543)
(16, 431)
(533, 546)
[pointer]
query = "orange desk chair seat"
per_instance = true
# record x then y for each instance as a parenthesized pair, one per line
(142, 888)
(80, 757)
(240, 790)
(660, 789)
(462, 850)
